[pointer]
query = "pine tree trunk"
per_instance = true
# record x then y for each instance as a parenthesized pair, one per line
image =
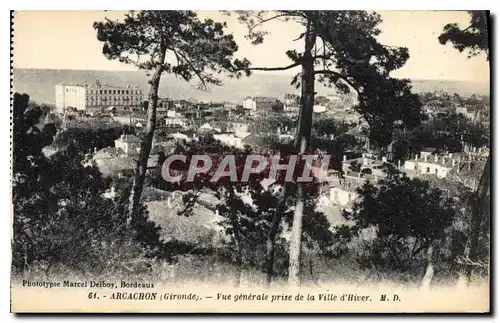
(480, 210)
(302, 144)
(429, 271)
(239, 250)
(147, 141)
(271, 237)
(270, 249)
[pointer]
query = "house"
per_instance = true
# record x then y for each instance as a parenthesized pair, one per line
(164, 106)
(345, 193)
(261, 106)
(367, 163)
(230, 139)
(172, 122)
(427, 151)
(206, 127)
(439, 165)
(231, 125)
(467, 111)
(129, 144)
(319, 109)
(291, 103)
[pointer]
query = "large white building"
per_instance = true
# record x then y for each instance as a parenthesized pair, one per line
(129, 144)
(432, 165)
(97, 98)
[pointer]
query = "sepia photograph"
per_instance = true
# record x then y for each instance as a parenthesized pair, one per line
(287, 161)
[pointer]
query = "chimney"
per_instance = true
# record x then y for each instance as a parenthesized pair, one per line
(444, 160)
(453, 163)
(416, 156)
(399, 163)
(436, 158)
(450, 155)
(425, 158)
(344, 158)
(458, 166)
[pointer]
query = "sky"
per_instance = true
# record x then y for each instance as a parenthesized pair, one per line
(66, 40)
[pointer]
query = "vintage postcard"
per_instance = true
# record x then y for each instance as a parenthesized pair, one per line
(250, 161)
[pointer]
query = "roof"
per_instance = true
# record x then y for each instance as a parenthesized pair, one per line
(111, 161)
(178, 136)
(429, 149)
(448, 159)
(356, 132)
(319, 108)
(206, 126)
(264, 99)
(103, 86)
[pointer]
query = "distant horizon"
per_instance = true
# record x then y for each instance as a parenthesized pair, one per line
(253, 73)
(40, 84)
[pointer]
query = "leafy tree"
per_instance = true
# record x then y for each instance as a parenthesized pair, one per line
(329, 127)
(409, 217)
(321, 100)
(474, 38)
(248, 223)
(341, 50)
(28, 141)
(449, 133)
(70, 223)
(87, 140)
(61, 216)
(201, 50)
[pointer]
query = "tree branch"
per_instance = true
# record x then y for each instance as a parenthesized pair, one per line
(301, 36)
(196, 71)
(281, 68)
(339, 75)
(263, 21)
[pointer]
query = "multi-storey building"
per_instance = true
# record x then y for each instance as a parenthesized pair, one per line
(97, 98)
(432, 164)
(261, 106)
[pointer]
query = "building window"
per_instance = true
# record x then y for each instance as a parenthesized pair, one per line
(105, 92)
(126, 92)
(416, 167)
(114, 91)
(428, 169)
(349, 197)
(436, 171)
(100, 91)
